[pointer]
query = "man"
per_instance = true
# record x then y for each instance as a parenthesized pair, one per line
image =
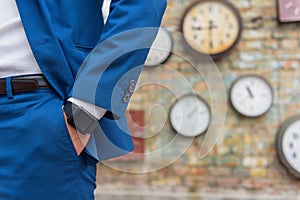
(65, 82)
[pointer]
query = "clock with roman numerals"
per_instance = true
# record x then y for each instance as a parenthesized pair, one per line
(288, 145)
(289, 10)
(212, 27)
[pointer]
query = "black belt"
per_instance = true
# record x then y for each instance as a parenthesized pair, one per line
(24, 84)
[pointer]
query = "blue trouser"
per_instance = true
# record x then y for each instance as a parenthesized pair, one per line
(37, 158)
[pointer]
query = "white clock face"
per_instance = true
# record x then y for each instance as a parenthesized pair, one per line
(190, 116)
(251, 96)
(291, 145)
(161, 48)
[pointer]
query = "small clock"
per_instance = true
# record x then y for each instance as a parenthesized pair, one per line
(288, 10)
(251, 95)
(190, 115)
(161, 48)
(212, 27)
(288, 145)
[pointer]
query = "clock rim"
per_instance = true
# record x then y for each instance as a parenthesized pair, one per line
(171, 48)
(236, 12)
(256, 76)
(279, 147)
(201, 99)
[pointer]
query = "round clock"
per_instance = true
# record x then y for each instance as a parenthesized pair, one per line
(288, 145)
(212, 27)
(161, 48)
(190, 115)
(251, 95)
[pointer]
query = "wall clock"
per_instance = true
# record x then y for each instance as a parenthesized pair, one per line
(212, 27)
(161, 48)
(251, 95)
(288, 145)
(190, 115)
(288, 10)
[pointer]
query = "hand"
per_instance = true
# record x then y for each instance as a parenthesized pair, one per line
(79, 140)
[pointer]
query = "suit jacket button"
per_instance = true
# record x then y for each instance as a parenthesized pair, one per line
(131, 89)
(127, 93)
(125, 99)
(132, 82)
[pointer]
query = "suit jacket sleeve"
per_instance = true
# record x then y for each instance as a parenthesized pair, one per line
(108, 75)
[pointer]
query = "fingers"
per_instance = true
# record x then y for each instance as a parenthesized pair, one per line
(79, 140)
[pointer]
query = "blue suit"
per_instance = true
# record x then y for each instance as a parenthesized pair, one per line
(82, 58)
(68, 30)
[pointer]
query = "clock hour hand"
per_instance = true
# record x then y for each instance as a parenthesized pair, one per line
(210, 27)
(250, 92)
(198, 28)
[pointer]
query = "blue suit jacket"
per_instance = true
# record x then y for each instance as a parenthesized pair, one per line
(100, 64)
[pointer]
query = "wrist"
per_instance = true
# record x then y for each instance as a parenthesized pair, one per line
(96, 111)
(79, 118)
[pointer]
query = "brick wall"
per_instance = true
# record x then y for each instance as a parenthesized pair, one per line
(243, 164)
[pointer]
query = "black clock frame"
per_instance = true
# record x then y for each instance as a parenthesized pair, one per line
(279, 148)
(240, 22)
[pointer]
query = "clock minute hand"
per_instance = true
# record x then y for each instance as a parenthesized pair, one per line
(192, 113)
(211, 26)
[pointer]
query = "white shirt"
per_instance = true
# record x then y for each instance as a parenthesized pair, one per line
(16, 55)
